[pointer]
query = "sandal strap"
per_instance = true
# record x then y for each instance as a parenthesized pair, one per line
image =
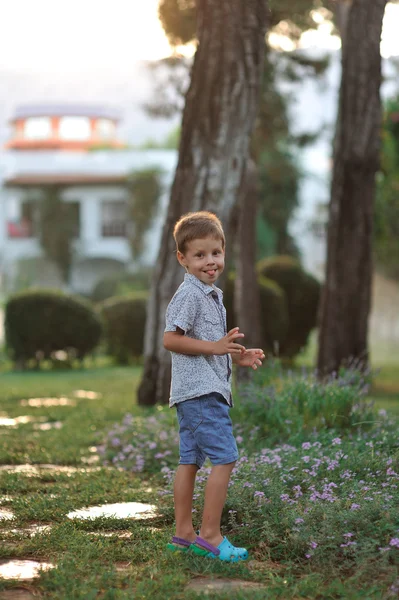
(181, 541)
(206, 546)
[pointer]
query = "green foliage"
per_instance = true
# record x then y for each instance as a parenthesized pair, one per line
(274, 314)
(178, 18)
(282, 405)
(170, 142)
(274, 318)
(145, 189)
(317, 478)
(121, 284)
(386, 215)
(271, 147)
(39, 323)
(302, 293)
(58, 225)
(124, 318)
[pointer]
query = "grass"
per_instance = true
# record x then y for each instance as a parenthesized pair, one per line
(90, 565)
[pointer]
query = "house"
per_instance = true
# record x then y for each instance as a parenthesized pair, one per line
(73, 147)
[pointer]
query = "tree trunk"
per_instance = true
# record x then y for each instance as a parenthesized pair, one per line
(218, 118)
(347, 292)
(246, 293)
(342, 10)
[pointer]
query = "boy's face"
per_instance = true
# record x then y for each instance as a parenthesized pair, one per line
(204, 259)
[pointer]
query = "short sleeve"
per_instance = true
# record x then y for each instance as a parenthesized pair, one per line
(181, 312)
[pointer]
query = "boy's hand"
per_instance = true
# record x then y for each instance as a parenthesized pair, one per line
(227, 345)
(250, 358)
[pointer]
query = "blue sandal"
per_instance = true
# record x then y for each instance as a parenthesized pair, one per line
(225, 551)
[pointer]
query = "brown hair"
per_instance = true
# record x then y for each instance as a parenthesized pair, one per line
(197, 226)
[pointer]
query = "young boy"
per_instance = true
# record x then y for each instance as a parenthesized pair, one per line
(202, 354)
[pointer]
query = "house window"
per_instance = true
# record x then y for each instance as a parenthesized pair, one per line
(74, 128)
(37, 128)
(21, 220)
(113, 219)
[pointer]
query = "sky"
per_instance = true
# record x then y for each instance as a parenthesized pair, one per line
(71, 35)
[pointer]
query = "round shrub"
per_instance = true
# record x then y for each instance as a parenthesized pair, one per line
(302, 292)
(274, 314)
(39, 323)
(124, 319)
(120, 284)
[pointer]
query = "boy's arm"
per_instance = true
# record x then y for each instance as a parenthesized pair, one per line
(176, 341)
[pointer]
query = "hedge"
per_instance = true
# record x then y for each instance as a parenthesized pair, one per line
(274, 314)
(124, 320)
(302, 292)
(39, 323)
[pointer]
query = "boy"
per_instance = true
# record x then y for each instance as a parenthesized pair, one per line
(202, 355)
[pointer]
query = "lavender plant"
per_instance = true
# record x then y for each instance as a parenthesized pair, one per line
(142, 444)
(326, 500)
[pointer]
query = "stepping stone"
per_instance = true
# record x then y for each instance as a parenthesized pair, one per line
(36, 470)
(85, 394)
(48, 426)
(9, 422)
(123, 566)
(122, 535)
(121, 510)
(41, 402)
(29, 531)
(5, 515)
(22, 569)
(17, 594)
(90, 460)
(207, 585)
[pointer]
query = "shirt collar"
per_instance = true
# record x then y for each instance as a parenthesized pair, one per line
(207, 289)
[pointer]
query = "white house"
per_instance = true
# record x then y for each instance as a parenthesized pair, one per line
(51, 146)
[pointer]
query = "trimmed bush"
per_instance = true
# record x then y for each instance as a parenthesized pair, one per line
(124, 319)
(120, 284)
(274, 314)
(39, 323)
(302, 292)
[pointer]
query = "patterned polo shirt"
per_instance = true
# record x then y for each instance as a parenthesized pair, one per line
(197, 309)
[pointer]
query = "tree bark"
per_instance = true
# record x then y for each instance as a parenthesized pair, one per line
(218, 118)
(246, 293)
(347, 292)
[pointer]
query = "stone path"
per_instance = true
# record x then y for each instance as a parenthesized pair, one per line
(121, 510)
(22, 569)
(207, 585)
(17, 594)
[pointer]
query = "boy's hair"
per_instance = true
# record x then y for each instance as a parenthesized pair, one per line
(197, 226)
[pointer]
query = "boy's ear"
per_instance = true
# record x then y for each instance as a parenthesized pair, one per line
(181, 259)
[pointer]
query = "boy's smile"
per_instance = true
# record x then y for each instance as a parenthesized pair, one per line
(203, 258)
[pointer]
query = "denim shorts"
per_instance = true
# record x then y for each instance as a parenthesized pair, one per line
(205, 430)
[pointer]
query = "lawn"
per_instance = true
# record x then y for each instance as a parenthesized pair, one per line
(130, 560)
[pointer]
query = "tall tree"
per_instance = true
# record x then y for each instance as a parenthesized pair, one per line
(58, 226)
(145, 188)
(347, 291)
(218, 118)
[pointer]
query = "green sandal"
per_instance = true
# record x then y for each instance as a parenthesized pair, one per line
(178, 545)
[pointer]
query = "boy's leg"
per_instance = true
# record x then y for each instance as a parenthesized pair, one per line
(183, 497)
(215, 497)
